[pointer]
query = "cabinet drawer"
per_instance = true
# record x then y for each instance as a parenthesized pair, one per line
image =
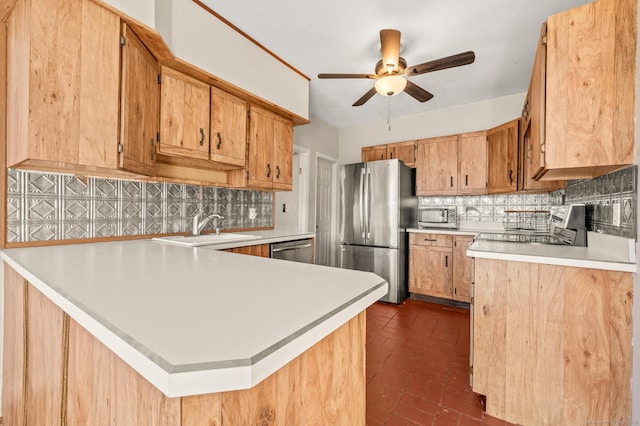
(437, 240)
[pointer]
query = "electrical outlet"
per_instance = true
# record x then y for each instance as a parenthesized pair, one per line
(252, 213)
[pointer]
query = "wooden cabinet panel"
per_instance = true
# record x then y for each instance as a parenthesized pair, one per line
(282, 155)
(63, 106)
(502, 158)
(472, 163)
(433, 240)
(403, 151)
(430, 271)
(437, 166)
(260, 167)
(462, 269)
(374, 153)
(184, 115)
(228, 128)
(534, 133)
(549, 339)
(140, 106)
(260, 250)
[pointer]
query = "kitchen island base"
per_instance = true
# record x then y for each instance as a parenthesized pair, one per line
(56, 372)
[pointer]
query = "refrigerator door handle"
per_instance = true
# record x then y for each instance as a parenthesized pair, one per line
(367, 202)
(362, 206)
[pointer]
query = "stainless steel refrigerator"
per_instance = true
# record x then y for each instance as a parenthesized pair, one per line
(377, 204)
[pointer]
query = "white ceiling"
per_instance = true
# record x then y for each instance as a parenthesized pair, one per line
(343, 36)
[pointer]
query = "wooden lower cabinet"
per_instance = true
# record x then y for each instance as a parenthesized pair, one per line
(260, 250)
(439, 266)
(56, 372)
(552, 344)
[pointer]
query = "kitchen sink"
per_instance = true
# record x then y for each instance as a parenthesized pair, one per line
(206, 239)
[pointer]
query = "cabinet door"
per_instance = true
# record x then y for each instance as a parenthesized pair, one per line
(184, 115)
(472, 166)
(260, 168)
(140, 101)
(228, 128)
(462, 269)
(430, 271)
(535, 132)
(282, 154)
(374, 153)
(437, 165)
(403, 151)
(502, 158)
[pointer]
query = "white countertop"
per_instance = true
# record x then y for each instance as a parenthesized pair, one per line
(275, 235)
(196, 320)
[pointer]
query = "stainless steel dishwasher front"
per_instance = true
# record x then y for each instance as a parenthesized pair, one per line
(296, 250)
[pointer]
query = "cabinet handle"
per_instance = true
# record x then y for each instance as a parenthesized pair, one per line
(446, 261)
(433, 240)
(155, 150)
(510, 177)
(391, 156)
(277, 172)
(452, 181)
(219, 140)
(466, 180)
(268, 170)
(201, 136)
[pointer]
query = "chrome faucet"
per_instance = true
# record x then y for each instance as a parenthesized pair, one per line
(197, 225)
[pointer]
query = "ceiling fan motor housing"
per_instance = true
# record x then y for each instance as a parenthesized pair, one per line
(382, 70)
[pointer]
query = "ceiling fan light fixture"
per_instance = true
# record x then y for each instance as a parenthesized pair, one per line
(390, 85)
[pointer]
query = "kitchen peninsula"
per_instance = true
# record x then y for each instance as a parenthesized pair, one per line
(142, 332)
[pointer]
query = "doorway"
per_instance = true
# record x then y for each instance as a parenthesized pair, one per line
(326, 213)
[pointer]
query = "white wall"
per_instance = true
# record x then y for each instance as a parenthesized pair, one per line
(199, 38)
(446, 121)
(290, 199)
(318, 137)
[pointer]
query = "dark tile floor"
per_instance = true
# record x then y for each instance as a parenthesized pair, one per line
(418, 366)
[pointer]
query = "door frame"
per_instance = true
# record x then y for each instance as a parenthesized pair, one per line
(303, 186)
(333, 234)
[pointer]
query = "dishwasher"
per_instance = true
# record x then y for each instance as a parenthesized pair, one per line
(296, 251)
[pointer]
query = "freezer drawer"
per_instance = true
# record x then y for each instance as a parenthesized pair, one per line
(384, 262)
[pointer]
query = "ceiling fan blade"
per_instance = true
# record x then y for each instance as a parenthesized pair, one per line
(417, 92)
(365, 97)
(327, 75)
(460, 59)
(390, 47)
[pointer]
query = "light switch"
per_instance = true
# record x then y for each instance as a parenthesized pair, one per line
(252, 213)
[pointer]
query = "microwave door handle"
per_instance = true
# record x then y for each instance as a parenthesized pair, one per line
(362, 206)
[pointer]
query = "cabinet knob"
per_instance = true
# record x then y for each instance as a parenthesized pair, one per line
(268, 170)
(201, 136)
(219, 140)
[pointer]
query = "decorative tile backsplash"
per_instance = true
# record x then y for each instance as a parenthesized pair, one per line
(49, 206)
(610, 201)
(491, 208)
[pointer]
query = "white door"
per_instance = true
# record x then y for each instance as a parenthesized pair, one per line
(325, 247)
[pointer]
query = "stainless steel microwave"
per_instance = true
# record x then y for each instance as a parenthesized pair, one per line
(437, 217)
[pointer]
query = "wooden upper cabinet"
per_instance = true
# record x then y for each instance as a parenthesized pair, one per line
(62, 95)
(140, 106)
(437, 166)
(228, 128)
(502, 158)
(534, 131)
(184, 115)
(374, 153)
(589, 86)
(403, 151)
(472, 163)
(282, 154)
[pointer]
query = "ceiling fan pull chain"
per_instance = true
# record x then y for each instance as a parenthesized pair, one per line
(389, 112)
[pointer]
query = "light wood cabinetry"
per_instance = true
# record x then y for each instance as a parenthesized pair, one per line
(140, 106)
(228, 128)
(583, 82)
(56, 372)
(270, 151)
(260, 250)
(437, 166)
(552, 344)
(430, 264)
(472, 163)
(403, 151)
(502, 156)
(462, 269)
(184, 116)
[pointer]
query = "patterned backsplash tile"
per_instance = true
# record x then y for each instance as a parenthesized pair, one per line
(50, 206)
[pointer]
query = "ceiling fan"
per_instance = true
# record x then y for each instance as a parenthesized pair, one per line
(392, 69)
